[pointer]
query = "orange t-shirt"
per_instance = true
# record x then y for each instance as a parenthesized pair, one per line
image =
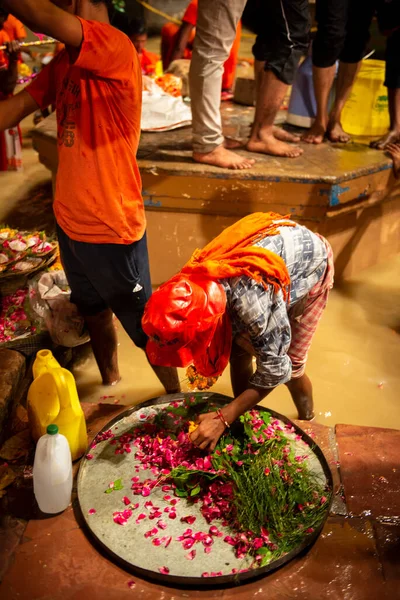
(148, 61)
(190, 15)
(98, 100)
(14, 28)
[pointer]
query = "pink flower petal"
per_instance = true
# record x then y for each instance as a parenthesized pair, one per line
(169, 540)
(163, 570)
(189, 519)
(126, 500)
(92, 511)
(131, 584)
(188, 543)
(162, 525)
(172, 515)
(151, 533)
(135, 506)
(191, 555)
(146, 491)
(207, 549)
(89, 456)
(166, 488)
(148, 504)
(140, 517)
(157, 541)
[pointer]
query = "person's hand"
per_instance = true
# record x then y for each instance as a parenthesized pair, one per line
(13, 50)
(209, 430)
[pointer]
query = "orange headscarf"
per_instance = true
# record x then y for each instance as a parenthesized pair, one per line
(230, 254)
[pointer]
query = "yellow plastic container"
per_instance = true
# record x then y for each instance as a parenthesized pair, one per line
(159, 69)
(53, 398)
(366, 112)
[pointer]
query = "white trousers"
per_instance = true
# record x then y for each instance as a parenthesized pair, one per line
(217, 21)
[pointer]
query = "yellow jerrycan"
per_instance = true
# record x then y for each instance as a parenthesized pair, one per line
(53, 398)
(366, 112)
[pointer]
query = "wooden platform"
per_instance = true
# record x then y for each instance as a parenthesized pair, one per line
(345, 192)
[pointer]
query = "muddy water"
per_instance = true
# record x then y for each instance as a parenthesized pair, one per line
(354, 362)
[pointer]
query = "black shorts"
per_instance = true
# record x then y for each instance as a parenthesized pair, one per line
(343, 31)
(392, 78)
(114, 276)
(283, 36)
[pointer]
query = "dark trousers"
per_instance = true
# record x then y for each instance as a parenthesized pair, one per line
(114, 276)
(283, 35)
(343, 30)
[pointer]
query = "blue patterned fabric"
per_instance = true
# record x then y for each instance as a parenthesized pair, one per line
(262, 315)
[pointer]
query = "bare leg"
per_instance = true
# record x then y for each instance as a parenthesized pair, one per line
(393, 135)
(215, 32)
(394, 151)
(104, 344)
(168, 377)
(302, 395)
(346, 76)
(271, 92)
(241, 366)
(323, 81)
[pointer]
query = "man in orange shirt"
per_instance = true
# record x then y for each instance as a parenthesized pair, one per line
(96, 86)
(137, 33)
(177, 42)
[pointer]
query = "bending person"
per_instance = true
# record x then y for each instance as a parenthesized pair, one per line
(232, 301)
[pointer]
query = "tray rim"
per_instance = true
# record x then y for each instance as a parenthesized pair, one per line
(224, 580)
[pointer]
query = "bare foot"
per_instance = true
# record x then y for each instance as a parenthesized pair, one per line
(224, 158)
(394, 151)
(392, 137)
(285, 136)
(270, 145)
(232, 144)
(315, 135)
(336, 134)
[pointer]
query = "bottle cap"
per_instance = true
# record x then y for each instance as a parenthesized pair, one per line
(52, 429)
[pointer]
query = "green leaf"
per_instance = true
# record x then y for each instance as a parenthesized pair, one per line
(181, 493)
(118, 485)
(195, 491)
(109, 490)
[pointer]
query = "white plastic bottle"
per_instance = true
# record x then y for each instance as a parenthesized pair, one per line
(52, 472)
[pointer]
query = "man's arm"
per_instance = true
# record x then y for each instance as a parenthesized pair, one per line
(43, 16)
(14, 109)
(182, 41)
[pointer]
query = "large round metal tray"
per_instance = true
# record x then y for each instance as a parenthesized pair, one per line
(126, 544)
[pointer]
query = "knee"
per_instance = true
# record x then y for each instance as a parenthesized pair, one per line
(327, 48)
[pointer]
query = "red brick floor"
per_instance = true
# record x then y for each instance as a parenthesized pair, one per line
(355, 558)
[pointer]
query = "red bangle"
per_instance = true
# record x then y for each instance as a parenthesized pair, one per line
(221, 417)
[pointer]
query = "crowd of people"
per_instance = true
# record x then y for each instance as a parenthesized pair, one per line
(232, 300)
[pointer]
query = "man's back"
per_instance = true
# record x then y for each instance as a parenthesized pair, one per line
(98, 100)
